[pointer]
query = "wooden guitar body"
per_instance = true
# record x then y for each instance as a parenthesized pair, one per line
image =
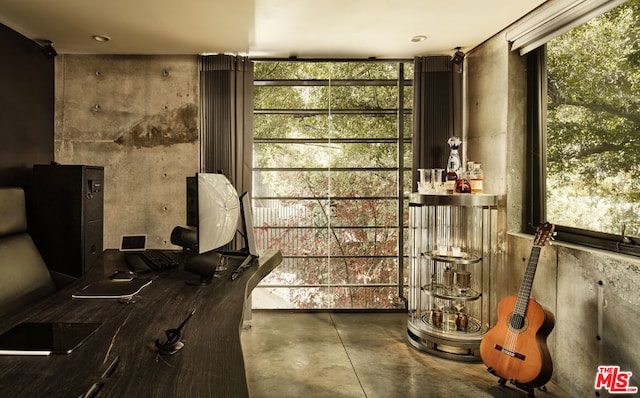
(517, 351)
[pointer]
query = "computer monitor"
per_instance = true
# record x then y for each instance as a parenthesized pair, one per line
(250, 245)
(213, 208)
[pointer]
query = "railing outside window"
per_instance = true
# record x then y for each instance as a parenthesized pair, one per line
(332, 161)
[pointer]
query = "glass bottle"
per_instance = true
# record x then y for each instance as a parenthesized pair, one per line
(477, 179)
(453, 165)
(462, 183)
(470, 168)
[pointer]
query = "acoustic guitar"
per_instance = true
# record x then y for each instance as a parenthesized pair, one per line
(515, 349)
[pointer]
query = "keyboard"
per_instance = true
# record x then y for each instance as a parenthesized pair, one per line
(150, 259)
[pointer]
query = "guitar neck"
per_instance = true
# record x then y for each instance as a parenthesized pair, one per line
(527, 282)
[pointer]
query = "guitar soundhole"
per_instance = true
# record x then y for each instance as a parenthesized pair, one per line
(517, 323)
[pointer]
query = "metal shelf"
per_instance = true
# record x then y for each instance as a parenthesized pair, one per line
(462, 258)
(456, 199)
(440, 291)
(448, 325)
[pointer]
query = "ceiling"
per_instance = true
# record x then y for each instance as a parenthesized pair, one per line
(264, 28)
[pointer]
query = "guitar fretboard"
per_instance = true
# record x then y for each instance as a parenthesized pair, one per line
(527, 282)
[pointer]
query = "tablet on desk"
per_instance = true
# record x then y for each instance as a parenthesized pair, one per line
(133, 243)
(45, 338)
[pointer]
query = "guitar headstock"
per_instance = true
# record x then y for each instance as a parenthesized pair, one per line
(543, 233)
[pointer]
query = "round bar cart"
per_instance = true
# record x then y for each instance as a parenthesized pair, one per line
(453, 244)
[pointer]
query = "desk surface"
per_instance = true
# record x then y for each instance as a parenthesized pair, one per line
(209, 365)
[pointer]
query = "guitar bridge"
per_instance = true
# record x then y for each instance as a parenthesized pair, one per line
(509, 352)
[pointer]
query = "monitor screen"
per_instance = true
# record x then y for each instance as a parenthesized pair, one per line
(218, 211)
(247, 222)
(192, 201)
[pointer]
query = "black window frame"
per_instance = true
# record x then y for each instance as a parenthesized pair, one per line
(535, 200)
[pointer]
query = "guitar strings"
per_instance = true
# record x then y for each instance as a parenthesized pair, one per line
(513, 325)
(511, 338)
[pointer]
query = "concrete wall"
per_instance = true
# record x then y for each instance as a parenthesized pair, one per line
(493, 112)
(578, 285)
(138, 117)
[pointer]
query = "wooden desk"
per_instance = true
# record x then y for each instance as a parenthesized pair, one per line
(209, 365)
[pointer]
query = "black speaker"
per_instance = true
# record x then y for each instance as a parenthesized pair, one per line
(49, 51)
(66, 216)
(458, 57)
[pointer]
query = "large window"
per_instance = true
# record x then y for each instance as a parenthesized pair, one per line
(332, 161)
(592, 142)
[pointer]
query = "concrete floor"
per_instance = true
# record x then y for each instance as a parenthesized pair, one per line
(298, 354)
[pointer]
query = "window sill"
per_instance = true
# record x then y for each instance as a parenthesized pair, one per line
(583, 248)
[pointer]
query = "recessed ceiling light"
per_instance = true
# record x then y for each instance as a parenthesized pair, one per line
(101, 38)
(418, 38)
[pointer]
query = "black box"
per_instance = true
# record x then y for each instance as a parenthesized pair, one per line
(66, 216)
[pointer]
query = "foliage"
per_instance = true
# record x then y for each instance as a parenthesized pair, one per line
(593, 127)
(330, 160)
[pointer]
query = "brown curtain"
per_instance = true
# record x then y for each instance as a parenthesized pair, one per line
(437, 111)
(226, 97)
